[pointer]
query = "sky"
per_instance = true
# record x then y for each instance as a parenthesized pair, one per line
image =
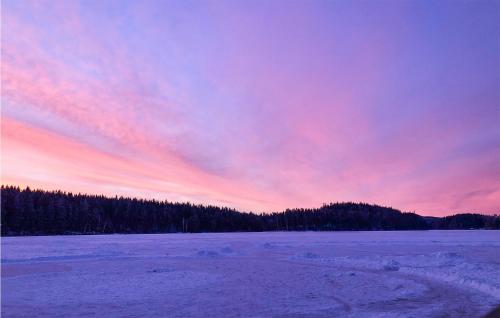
(256, 105)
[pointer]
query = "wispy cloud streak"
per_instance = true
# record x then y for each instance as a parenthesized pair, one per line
(256, 105)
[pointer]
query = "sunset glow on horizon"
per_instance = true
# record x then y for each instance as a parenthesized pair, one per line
(256, 105)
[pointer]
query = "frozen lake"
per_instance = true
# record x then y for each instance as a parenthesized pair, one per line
(298, 274)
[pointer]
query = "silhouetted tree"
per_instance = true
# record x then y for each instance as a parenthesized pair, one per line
(37, 212)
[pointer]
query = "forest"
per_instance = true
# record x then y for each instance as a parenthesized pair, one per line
(38, 212)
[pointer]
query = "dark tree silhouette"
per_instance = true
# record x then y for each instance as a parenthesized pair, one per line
(37, 212)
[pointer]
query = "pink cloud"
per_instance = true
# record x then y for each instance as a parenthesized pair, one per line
(254, 107)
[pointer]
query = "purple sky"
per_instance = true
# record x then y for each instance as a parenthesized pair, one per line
(257, 105)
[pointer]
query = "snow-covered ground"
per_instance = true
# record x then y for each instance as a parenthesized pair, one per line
(294, 274)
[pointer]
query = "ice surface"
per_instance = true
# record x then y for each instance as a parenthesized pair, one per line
(281, 274)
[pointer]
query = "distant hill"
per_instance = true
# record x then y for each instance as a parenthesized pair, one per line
(37, 212)
(465, 221)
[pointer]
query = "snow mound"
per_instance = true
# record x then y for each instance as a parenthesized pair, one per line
(208, 254)
(392, 265)
(269, 245)
(307, 255)
(227, 250)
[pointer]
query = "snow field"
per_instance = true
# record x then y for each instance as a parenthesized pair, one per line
(279, 274)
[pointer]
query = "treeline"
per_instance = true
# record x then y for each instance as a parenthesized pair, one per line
(465, 221)
(37, 212)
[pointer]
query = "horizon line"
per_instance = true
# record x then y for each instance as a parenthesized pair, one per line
(24, 188)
